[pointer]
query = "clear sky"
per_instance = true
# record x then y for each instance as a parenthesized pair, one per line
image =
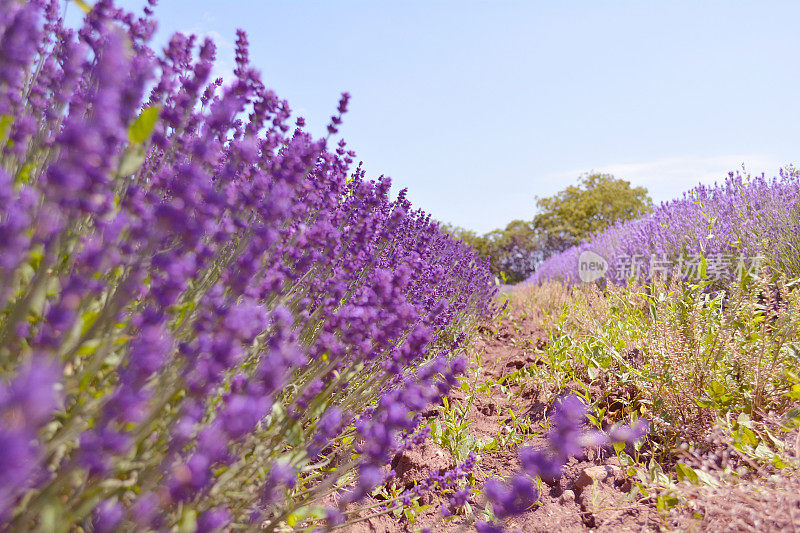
(477, 107)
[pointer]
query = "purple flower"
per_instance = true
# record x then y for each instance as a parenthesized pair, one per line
(540, 463)
(334, 517)
(145, 510)
(17, 47)
(369, 477)
(460, 497)
(630, 434)
(242, 412)
(108, 516)
(743, 216)
(482, 526)
(18, 463)
(189, 478)
(215, 519)
(31, 397)
(283, 474)
(570, 413)
(513, 499)
(280, 475)
(99, 446)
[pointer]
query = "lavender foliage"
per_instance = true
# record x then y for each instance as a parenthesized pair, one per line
(207, 316)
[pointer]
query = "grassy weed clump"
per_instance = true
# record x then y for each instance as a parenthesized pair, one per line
(714, 371)
(678, 353)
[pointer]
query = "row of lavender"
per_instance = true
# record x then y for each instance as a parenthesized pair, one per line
(725, 232)
(207, 317)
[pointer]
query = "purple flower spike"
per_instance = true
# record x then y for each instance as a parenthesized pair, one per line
(369, 477)
(213, 520)
(30, 399)
(513, 499)
(488, 527)
(108, 516)
(629, 434)
(538, 463)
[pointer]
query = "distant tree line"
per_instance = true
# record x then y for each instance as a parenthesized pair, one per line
(561, 221)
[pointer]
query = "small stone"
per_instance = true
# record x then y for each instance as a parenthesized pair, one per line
(596, 474)
(566, 497)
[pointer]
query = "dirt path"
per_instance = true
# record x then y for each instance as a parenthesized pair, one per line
(509, 407)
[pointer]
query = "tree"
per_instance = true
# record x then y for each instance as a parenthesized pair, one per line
(563, 220)
(579, 211)
(513, 252)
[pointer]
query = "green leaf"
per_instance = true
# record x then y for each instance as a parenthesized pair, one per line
(744, 420)
(88, 347)
(794, 394)
(489, 446)
(702, 271)
(625, 459)
(143, 127)
(5, 125)
(686, 473)
(704, 402)
(777, 462)
(792, 418)
(665, 502)
(706, 478)
(463, 452)
(52, 517)
(24, 174)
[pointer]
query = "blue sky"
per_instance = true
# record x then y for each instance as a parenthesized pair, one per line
(477, 107)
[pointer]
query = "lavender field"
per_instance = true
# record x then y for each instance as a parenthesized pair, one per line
(211, 320)
(740, 225)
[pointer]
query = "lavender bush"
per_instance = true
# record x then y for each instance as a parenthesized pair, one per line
(208, 318)
(732, 228)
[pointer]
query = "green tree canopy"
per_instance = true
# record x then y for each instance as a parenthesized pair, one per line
(563, 220)
(513, 252)
(595, 203)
